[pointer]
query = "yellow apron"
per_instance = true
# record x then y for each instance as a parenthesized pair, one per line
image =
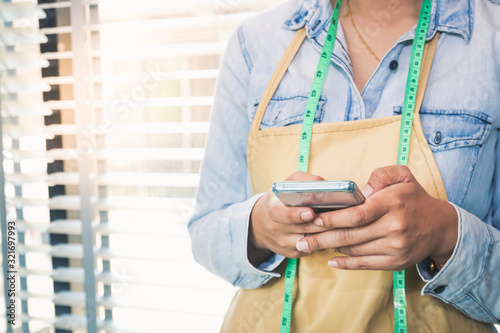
(328, 299)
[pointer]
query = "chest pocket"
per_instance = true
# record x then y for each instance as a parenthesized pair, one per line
(456, 138)
(448, 129)
(286, 111)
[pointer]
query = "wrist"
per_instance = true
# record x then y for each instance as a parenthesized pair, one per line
(256, 215)
(446, 238)
(256, 255)
(257, 252)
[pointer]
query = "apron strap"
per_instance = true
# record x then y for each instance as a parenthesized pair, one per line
(280, 71)
(421, 141)
(425, 71)
(294, 47)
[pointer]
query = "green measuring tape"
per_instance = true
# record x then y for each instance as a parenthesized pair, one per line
(317, 87)
(305, 143)
(417, 52)
(400, 323)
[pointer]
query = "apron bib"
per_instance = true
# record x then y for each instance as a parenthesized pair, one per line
(327, 299)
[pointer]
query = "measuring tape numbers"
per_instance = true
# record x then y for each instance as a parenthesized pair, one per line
(400, 321)
(305, 144)
(417, 51)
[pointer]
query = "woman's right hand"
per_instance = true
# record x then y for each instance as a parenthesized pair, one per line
(277, 228)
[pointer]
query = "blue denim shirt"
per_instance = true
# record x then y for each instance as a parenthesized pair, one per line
(460, 118)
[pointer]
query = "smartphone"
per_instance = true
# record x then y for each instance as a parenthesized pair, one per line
(321, 196)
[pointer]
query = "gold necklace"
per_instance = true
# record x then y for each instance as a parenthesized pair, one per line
(359, 35)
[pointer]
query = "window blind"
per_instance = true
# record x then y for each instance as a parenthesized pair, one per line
(105, 111)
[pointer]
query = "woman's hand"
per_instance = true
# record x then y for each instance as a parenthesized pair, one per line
(277, 228)
(398, 226)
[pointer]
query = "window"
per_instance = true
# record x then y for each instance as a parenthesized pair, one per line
(105, 108)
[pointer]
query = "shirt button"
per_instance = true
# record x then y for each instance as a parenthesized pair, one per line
(437, 138)
(316, 24)
(393, 65)
(439, 289)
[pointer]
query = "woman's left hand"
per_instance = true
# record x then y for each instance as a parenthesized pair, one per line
(398, 226)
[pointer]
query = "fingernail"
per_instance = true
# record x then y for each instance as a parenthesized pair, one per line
(319, 222)
(333, 263)
(302, 246)
(367, 191)
(306, 215)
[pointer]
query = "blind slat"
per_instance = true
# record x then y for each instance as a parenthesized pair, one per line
(132, 154)
(142, 204)
(170, 101)
(139, 103)
(163, 51)
(14, 60)
(148, 179)
(74, 227)
(152, 154)
(153, 75)
(15, 108)
(23, 35)
(10, 11)
(58, 80)
(57, 30)
(55, 5)
(201, 22)
(13, 84)
(136, 128)
(109, 179)
(75, 251)
(72, 202)
(58, 55)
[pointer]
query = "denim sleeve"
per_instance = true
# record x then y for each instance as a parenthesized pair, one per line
(219, 226)
(470, 280)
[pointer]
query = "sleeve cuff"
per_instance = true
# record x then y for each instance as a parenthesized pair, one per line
(250, 276)
(272, 263)
(465, 266)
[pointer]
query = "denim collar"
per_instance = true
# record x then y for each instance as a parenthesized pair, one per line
(450, 16)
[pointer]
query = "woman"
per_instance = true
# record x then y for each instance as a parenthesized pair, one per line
(436, 218)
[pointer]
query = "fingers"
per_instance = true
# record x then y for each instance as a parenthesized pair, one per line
(357, 216)
(302, 228)
(303, 176)
(288, 215)
(371, 256)
(340, 238)
(386, 176)
(377, 246)
(379, 234)
(277, 228)
(286, 245)
(381, 262)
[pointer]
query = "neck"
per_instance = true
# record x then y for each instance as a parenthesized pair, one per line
(388, 8)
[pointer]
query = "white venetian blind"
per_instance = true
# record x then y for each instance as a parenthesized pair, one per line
(101, 155)
(24, 191)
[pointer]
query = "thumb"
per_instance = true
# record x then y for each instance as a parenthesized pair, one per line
(387, 176)
(303, 176)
